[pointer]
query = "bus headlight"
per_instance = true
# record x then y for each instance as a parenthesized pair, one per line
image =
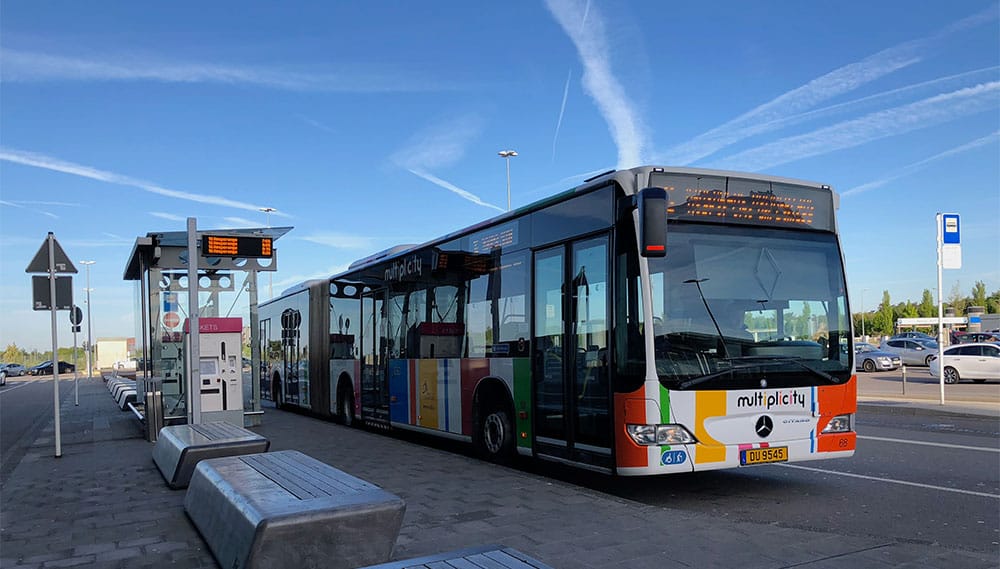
(840, 424)
(647, 435)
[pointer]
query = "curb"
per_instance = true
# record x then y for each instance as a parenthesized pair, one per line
(925, 408)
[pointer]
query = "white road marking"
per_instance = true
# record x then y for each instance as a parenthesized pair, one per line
(892, 481)
(15, 387)
(944, 445)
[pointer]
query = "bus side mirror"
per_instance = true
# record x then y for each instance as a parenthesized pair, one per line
(652, 204)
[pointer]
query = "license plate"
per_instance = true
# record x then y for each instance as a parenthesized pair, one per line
(763, 455)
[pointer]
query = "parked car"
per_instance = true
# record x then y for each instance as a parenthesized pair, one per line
(913, 351)
(912, 335)
(978, 362)
(870, 358)
(45, 368)
(972, 337)
(14, 369)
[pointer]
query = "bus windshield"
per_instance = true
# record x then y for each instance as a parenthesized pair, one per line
(746, 307)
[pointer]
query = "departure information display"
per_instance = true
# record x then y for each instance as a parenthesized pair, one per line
(752, 202)
(236, 246)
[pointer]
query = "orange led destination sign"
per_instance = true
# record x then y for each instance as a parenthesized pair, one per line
(238, 246)
(718, 199)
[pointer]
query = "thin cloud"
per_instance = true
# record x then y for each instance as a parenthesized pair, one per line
(341, 241)
(167, 216)
(21, 66)
(916, 166)
(20, 205)
(825, 87)
(453, 188)
(599, 80)
(875, 126)
(241, 223)
(316, 124)
(562, 111)
(439, 145)
(48, 163)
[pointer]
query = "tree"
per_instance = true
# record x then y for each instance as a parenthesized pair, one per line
(956, 301)
(885, 320)
(979, 294)
(993, 302)
(13, 355)
(927, 306)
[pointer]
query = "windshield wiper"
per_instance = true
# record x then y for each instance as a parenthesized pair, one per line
(756, 362)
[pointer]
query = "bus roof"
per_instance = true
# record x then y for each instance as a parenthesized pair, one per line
(630, 180)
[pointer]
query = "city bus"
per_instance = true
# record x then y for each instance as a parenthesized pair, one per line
(647, 321)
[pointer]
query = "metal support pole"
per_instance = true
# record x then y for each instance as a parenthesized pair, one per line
(76, 375)
(940, 266)
(194, 349)
(55, 343)
(904, 380)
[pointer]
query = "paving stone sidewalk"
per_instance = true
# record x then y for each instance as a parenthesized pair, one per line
(104, 504)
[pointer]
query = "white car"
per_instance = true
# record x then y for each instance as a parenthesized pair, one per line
(978, 362)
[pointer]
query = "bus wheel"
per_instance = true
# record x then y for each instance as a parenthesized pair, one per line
(495, 435)
(345, 407)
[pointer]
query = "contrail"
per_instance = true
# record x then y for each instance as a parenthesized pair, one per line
(598, 79)
(56, 165)
(875, 126)
(916, 166)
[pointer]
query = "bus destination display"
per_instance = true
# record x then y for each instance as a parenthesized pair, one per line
(236, 246)
(729, 200)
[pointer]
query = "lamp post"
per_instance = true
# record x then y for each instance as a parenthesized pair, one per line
(507, 154)
(863, 313)
(270, 274)
(90, 340)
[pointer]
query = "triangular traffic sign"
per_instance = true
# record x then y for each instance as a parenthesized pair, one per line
(40, 264)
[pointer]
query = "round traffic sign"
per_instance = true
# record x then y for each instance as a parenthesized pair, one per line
(75, 316)
(171, 319)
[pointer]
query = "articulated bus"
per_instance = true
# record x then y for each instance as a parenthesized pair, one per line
(648, 321)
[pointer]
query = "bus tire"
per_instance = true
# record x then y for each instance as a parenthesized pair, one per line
(345, 404)
(494, 439)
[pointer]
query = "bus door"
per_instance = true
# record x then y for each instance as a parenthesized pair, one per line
(374, 359)
(570, 366)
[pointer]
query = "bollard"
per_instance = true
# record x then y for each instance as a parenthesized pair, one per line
(904, 380)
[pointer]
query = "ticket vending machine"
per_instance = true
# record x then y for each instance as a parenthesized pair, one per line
(220, 368)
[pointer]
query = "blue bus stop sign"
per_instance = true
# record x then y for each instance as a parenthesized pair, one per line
(950, 229)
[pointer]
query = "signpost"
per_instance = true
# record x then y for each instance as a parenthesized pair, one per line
(949, 250)
(51, 259)
(75, 318)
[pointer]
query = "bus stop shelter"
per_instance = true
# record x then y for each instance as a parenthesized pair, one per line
(227, 286)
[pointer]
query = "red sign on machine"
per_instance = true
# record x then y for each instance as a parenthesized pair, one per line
(171, 319)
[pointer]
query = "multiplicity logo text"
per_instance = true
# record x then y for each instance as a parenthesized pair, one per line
(405, 268)
(776, 399)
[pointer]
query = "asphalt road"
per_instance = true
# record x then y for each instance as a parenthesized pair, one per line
(925, 477)
(26, 407)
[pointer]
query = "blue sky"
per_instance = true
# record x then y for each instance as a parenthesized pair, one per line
(369, 124)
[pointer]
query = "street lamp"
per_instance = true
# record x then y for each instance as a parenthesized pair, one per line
(507, 154)
(90, 340)
(270, 275)
(863, 313)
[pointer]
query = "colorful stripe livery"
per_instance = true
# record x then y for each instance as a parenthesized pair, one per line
(437, 394)
(725, 423)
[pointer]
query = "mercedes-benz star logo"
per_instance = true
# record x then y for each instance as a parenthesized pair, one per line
(764, 426)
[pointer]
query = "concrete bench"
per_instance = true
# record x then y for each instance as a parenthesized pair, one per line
(487, 556)
(179, 448)
(286, 509)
